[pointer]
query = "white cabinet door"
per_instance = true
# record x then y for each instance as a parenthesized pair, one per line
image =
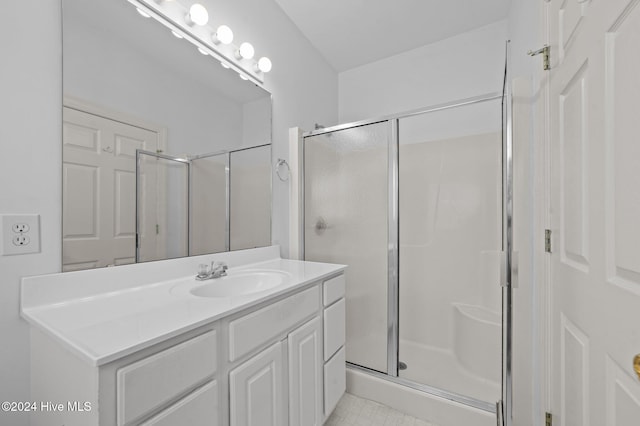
(305, 374)
(257, 390)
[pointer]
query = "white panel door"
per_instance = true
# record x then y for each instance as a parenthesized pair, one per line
(99, 189)
(305, 374)
(257, 392)
(594, 128)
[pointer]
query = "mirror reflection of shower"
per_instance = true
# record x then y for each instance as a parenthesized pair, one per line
(210, 203)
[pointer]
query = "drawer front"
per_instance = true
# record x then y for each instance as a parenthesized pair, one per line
(199, 408)
(259, 327)
(335, 381)
(333, 289)
(153, 381)
(334, 328)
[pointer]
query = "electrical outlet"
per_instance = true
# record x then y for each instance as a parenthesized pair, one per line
(20, 234)
(21, 240)
(20, 228)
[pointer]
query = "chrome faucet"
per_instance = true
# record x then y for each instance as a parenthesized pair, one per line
(217, 270)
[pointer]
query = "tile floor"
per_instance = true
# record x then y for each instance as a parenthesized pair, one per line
(354, 411)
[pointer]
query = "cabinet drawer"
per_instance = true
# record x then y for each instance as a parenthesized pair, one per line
(335, 381)
(153, 381)
(334, 328)
(259, 327)
(333, 289)
(199, 408)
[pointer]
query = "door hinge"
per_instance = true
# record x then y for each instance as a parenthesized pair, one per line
(547, 240)
(137, 240)
(159, 151)
(546, 53)
(157, 229)
(548, 419)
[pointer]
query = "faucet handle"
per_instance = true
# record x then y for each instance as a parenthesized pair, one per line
(203, 270)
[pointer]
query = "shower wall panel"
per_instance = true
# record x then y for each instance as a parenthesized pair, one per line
(450, 242)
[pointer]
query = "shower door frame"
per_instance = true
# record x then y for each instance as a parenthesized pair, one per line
(501, 408)
(157, 155)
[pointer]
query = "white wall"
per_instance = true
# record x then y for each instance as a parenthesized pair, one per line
(30, 170)
(459, 67)
(304, 87)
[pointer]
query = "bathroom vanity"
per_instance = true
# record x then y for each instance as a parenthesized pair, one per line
(148, 344)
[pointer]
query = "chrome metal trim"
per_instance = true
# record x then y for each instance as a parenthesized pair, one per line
(188, 233)
(434, 108)
(507, 245)
(451, 396)
(227, 209)
(138, 159)
(163, 156)
(393, 255)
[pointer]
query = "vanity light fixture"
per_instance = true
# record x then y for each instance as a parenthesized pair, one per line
(189, 20)
(143, 13)
(197, 15)
(222, 35)
(246, 51)
(264, 64)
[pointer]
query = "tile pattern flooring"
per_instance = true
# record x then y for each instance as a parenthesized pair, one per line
(354, 411)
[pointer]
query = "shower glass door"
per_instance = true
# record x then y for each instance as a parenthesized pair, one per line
(450, 185)
(346, 221)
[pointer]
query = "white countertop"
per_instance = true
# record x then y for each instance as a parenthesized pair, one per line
(115, 319)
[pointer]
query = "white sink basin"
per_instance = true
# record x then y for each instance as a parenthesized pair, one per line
(240, 284)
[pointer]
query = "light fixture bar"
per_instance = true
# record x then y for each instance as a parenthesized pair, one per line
(172, 14)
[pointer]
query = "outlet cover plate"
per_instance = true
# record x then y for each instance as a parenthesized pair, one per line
(9, 222)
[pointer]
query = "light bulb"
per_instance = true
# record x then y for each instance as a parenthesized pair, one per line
(222, 35)
(197, 15)
(264, 64)
(246, 51)
(244, 77)
(201, 50)
(225, 66)
(143, 13)
(176, 34)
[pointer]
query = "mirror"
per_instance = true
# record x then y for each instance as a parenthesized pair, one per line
(166, 153)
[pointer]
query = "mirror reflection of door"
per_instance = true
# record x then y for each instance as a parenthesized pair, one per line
(99, 189)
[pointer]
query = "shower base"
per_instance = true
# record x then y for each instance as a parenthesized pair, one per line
(443, 370)
(419, 404)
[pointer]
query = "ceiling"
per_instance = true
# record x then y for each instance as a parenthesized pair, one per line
(350, 33)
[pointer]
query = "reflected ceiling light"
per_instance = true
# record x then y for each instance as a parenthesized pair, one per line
(176, 34)
(143, 13)
(222, 35)
(244, 77)
(224, 65)
(197, 15)
(204, 52)
(246, 51)
(264, 64)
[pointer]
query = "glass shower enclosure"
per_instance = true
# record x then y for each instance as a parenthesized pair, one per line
(413, 204)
